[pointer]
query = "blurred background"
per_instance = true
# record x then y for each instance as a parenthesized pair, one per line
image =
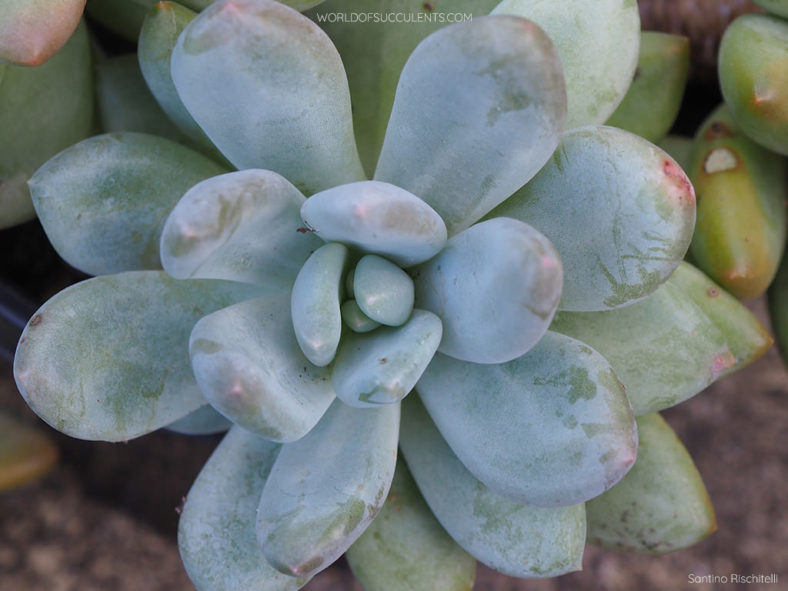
(106, 516)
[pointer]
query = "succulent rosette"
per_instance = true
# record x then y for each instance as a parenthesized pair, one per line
(482, 302)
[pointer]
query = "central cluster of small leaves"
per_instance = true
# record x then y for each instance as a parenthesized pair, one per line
(373, 229)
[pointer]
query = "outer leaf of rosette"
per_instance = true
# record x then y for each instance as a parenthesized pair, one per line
(517, 540)
(747, 338)
(382, 366)
(479, 108)
(598, 44)
(157, 39)
(406, 548)
(103, 201)
(268, 88)
(216, 532)
(203, 421)
(619, 210)
(243, 226)
(375, 51)
(43, 110)
(315, 300)
(108, 358)
(661, 505)
(124, 101)
(249, 366)
(552, 428)
(495, 287)
(32, 31)
(377, 218)
(652, 103)
(325, 489)
(664, 349)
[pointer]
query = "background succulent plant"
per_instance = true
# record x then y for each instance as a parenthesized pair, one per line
(107, 359)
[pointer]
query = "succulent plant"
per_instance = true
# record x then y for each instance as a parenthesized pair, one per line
(43, 109)
(741, 189)
(753, 70)
(517, 276)
(32, 31)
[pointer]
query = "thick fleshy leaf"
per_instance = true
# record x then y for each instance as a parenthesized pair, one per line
(203, 421)
(43, 110)
(249, 366)
(479, 109)
(325, 489)
(753, 69)
(25, 453)
(552, 428)
(742, 188)
(314, 303)
(406, 548)
(619, 210)
(157, 39)
(383, 291)
(517, 540)
(747, 338)
(652, 102)
(125, 102)
(108, 358)
(661, 505)
(355, 319)
(778, 7)
(285, 105)
(216, 532)
(375, 51)
(383, 366)
(664, 349)
(495, 286)
(377, 218)
(103, 201)
(32, 31)
(598, 45)
(243, 226)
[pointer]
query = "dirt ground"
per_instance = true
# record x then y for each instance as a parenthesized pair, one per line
(105, 518)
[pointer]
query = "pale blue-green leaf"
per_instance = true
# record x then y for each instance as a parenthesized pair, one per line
(620, 211)
(377, 218)
(314, 303)
(268, 88)
(243, 226)
(355, 319)
(43, 110)
(383, 291)
(479, 109)
(664, 349)
(158, 36)
(406, 548)
(103, 201)
(495, 286)
(517, 540)
(661, 505)
(552, 428)
(248, 364)
(375, 52)
(108, 358)
(203, 421)
(216, 533)
(124, 101)
(598, 43)
(325, 489)
(383, 366)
